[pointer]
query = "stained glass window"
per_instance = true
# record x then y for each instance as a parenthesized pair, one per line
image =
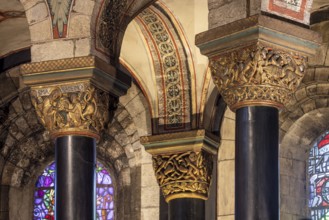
(44, 194)
(318, 171)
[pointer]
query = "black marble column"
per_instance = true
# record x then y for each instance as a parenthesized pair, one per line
(187, 209)
(75, 178)
(256, 164)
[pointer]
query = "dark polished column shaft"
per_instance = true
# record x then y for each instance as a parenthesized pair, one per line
(75, 178)
(256, 164)
(187, 209)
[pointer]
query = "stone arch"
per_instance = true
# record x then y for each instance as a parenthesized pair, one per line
(173, 69)
(110, 19)
(294, 151)
(26, 149)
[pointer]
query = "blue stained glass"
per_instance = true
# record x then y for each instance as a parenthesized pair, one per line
(47, 179)
(318, 171)
(44, 194)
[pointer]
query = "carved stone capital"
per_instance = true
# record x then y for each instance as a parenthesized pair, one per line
(182, 162)
(75, 96)
(257, 75)
(72, 109)
(184, 175)
(258, 60)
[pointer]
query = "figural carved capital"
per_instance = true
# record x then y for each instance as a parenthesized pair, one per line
(182, 163)
(258, 60)
(75, 96)
(257, 75)
(76, 108)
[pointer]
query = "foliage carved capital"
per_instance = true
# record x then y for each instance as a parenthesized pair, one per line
(184, 175)
(257, 75)
(75, 108)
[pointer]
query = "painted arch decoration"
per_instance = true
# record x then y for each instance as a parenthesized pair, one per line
(172, 66)
(44, 194)
(318, 171)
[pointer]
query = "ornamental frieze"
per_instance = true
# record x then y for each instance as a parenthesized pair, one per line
(71, 108)
(186, 174)
(257, 75)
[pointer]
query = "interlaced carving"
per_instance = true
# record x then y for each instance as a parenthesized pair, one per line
(71, 108)
(184, 173)
(110, 22)
(257, 75)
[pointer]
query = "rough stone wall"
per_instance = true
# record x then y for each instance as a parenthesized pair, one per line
(225, 11)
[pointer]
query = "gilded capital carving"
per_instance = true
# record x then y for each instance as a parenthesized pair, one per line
(184, 175)
(74, 108)
(182, 162)
(257, 75)
(258, 60)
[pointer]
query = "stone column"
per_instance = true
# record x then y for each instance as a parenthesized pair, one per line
(74, 99)
(257, 63)
(183, 164)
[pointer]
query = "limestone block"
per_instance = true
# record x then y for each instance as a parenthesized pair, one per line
(311, 90)
(226, 11)
(114, 149)
(297, 188)
(129, 151)
(79, 26)
(124, 114)
(300, 94)
(143, 120)
(54, 50)
(228, 129)
(150, 213)
(229, 114)
(148, 176)
(122, 139)
(41, 31)
(284, 185)
(18, 106)
(299, 168)
(309, 75)
(255, 7)
(226, 150)
(137, 105)
(321, 74)
(320, 57)
(37, 13)
(82, 47)
(286, 166)
(84, 7)
(225, 187)
(23, 126)
(226, 217)
(286, 216)
(150, 196)
(146, 157)
(308, 106)
(323, 89)
(132, 92)
(321, 103)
